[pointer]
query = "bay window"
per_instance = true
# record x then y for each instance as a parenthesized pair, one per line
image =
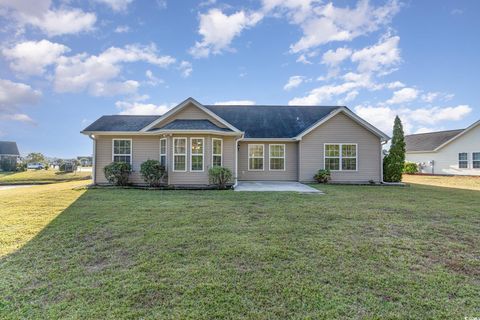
(196, 154)
(180, 154)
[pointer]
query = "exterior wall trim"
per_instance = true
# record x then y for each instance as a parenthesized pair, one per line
(183, 105)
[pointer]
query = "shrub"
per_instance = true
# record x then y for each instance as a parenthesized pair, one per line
(153, 173)
(21, 166)
(322, 176)
(117, 173)
(220, 176)
(410, 168)
(67, 167)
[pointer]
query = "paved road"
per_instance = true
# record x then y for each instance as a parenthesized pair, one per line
(13, 187)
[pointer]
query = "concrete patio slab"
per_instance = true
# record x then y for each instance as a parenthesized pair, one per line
(289, 186)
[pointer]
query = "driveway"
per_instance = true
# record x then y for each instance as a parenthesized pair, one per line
(275, 186)
(13, 187)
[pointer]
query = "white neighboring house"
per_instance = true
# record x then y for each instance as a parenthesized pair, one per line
(453, 152)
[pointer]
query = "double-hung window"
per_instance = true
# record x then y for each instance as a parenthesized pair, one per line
(277, 156)
(180, 154)
(122, 150)
(217, 153)
(463, 160)
(341, 157)
(163, 152)
(196, 154)
(255, 157)
(476, 160)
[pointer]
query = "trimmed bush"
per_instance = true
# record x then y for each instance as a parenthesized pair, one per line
(410, 168)
(153, 173)
(220, 176)
(322, 176)
(117, 173)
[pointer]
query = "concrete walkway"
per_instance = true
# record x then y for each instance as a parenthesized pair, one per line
(275, 186)
(15, 186)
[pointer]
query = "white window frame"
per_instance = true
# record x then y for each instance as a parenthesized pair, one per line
(180, 154)
(163, 154)
(284, 156)
(197, 154)
(263, 157)
(473, 161)
(218, 154)
(340, 157)
(458, 158)
(122, 155)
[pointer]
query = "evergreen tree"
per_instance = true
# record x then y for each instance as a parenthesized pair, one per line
(393, 163)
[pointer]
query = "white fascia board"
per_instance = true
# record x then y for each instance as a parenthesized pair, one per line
(350, 114)
(475, 124)
(183, 105)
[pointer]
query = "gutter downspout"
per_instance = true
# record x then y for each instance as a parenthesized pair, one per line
(236, 160)
(94, 169)
(382, 143)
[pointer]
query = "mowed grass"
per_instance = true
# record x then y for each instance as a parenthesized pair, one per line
(41, 176)
(355, 252)
(469, 183)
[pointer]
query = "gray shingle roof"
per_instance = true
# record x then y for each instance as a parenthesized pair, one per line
(271, 121)
(9, 147)
(121, 123)
(429, 141)
(181, 124)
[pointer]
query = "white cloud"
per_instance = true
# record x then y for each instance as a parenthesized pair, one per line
(218, 30)
(21, 117)
(333, 58)
(430, 97)
(293, 82)
(303, 59)
(122, 29)
(403, 96)
(15, 94)
(31, 57)
(96, 73)
(382, 116)
(395, 85)
(335, 23)
(379, 57)
(327, 93)
(137, 108)
(236, 102)
(51, 21)
(186, 68)
(116, 5)
(152, 80)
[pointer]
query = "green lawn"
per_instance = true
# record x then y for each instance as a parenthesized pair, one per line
(41, 176)
(355, 252)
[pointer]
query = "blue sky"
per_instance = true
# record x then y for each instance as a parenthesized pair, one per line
(65, 63)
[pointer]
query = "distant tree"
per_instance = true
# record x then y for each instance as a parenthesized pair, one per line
(35, 157)
(394, 162)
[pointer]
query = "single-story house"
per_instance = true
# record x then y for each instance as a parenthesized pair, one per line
(281, 143)
(9, 155)
(452, 152)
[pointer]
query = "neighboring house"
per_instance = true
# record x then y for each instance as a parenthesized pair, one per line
(85, 161)
(9, 155)
(452, 152)
(289, 143)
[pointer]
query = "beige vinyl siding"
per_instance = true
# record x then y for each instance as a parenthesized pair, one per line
(341, 129)
(148, 147)
(195, 177)
(291, 163)
(190, 112)
(143, 148)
